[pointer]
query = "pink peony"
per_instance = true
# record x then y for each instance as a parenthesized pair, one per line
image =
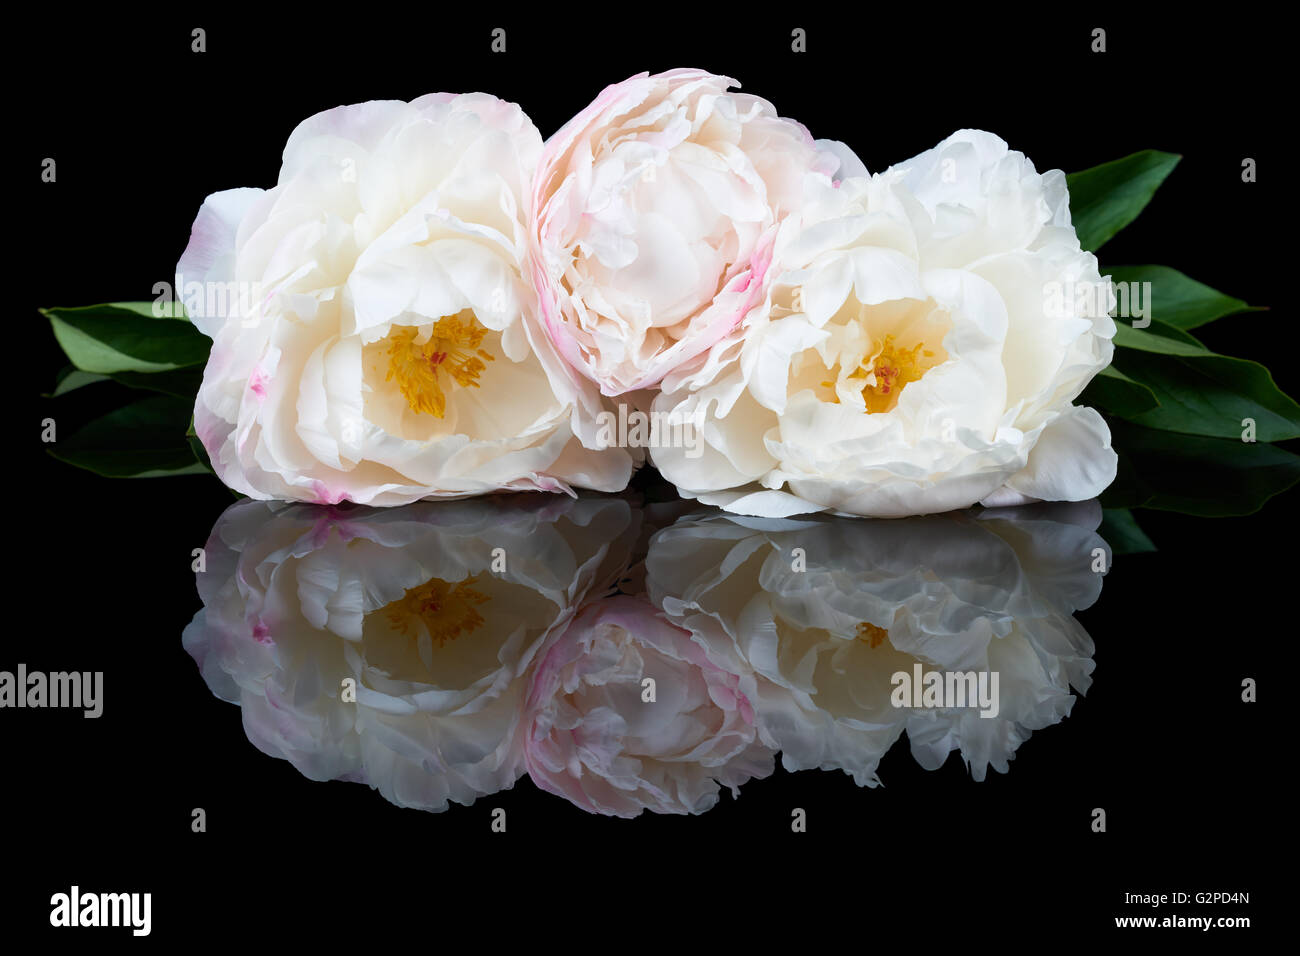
(654, 213)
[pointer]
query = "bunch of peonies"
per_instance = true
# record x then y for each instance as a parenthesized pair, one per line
(433, 303)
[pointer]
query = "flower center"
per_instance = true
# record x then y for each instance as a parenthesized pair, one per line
(884, 374)
(446, 610)
(870, 634)
(451, 351)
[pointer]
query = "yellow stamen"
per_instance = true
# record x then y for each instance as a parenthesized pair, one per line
(890, 371)
(447, 610)
(453, 349)
(871, 635)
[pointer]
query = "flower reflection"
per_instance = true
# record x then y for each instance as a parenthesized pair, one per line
(827, 611)
(627, 713)
(394, 646)
(440, 651)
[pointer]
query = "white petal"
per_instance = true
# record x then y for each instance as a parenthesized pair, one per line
(1072, 460)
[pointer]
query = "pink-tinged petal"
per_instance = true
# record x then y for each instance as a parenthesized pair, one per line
(323, 494)
(209, 257)
(262, 633)
(601, 226)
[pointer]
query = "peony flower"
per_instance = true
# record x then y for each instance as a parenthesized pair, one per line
(654, 212)
(591, 734)
(929, 329)
(374, 339)
(826, 613)
(392, 647)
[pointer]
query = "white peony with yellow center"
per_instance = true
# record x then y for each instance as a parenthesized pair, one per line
(380, 343)
(911, 357)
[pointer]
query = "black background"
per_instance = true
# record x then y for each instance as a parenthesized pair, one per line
(142, 129)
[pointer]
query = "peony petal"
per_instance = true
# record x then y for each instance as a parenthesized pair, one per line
(1072, 460)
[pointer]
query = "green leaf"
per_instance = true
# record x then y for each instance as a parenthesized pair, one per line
(1120, 530)
(152, 310)
(143, 440)
(181, 382)
(1211, 477)
(1106, 198)
(1209, 395)
(200, 454)
(71, 378)
(1173, 332)
(127, 337)
(1113, 391)
(196, 447)
(1177, 300)
(1159, 338)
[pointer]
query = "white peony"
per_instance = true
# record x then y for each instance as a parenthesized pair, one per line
(926, 335)
(374, 339)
